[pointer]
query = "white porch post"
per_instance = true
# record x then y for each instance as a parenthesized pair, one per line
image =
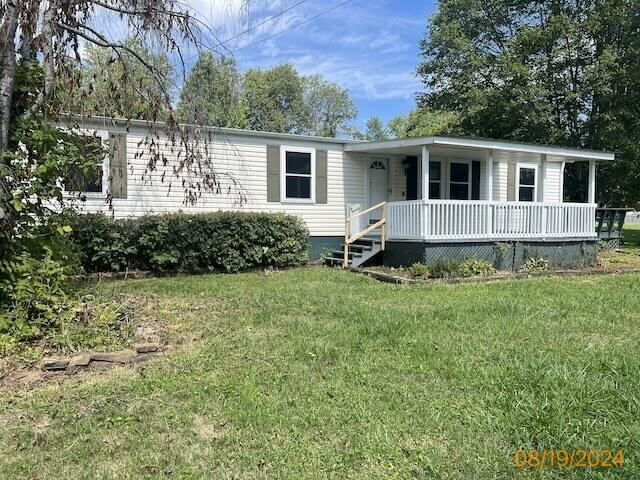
(488, 189)
(425, 227)
(591, 196)
(425, 172)
(489, 177)
(543, 179)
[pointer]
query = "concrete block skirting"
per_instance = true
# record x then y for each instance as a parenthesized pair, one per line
(503, 255)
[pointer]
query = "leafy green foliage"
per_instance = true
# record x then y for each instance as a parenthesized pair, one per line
(123, 88)
(275, 100)
(423, 122)
(444, 269)
(419, 270)
(38, 302)
(557, 72)
(212, 94)
(535, 265)
(227, 241)
(329, 106)
(474, 267)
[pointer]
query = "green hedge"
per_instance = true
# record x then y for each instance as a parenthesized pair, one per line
(229, 241)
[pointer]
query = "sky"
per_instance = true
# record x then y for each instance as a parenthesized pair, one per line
(369, 47)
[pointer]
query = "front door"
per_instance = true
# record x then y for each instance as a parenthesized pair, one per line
(378, 183)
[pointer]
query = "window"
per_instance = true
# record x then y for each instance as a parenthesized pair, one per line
(298, 171)
(89, 178)
(459, 181)
(378, 165)
(527, 183)
(435, 177)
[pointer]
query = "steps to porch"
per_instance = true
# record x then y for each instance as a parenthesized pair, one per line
(358, 249)
(358, 253)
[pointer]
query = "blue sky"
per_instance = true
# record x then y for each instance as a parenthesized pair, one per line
(367, 46)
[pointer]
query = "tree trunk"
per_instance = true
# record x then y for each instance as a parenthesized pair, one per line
(8, 69)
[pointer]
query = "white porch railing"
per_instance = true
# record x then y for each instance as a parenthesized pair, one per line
(461, 219)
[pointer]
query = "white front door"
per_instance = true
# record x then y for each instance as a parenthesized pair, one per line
(378, 170)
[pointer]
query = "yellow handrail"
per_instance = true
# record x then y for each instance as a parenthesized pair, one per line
(349, 239)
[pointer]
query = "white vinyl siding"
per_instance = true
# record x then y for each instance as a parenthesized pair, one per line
(399, 177)
(553, 183)
(500, 174)
(246, 160)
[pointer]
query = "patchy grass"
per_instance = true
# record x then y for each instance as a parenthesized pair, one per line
(631, 237)
(322, 373)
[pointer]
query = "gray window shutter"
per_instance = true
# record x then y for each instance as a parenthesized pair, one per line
(118, 165)
(475, 180)
(321, 176)
(273, 173)
(511, 182)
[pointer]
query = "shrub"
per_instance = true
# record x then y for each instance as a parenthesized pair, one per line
(474, 267)
(229, 241)
(444, 269)
(535, 265)
(419, 270)
(37, 300)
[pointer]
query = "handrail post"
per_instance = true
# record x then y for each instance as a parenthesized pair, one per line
(347, 233)
(384, 225)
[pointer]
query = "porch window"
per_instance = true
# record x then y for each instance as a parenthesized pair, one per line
(460, 181)
(435, 179)
(297, 176)
(526, 184)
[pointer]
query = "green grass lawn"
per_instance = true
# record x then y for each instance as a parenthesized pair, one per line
(631, 235)
(320, 373)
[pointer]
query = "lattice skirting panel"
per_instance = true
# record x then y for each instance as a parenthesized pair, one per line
(609, 244)
(508, 255)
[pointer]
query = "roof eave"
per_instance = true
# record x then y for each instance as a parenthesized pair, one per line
(483, 144)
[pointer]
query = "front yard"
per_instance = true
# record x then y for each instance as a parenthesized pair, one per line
(321, 373)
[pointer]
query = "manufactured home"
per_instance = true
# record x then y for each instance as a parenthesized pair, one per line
(403, 200)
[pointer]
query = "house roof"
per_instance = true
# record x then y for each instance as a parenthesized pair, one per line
(487, 144)
(404, 145)
(122, 123)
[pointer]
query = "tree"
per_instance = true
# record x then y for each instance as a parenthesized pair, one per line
(41, 50)
(550, 71)
(102, 92)
(423, 122)
(275, 100)
(212, 94)
(376, 131)
(330, 107)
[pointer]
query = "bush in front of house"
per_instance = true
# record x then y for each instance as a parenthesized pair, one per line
(474, 267)
(533, 265)
(419, 271)
(451, 269)
(227, 241)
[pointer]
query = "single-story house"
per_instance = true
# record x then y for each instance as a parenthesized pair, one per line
(434, 197)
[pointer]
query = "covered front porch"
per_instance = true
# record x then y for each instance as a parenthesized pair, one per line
(448, 189)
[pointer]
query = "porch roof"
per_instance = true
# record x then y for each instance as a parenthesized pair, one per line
(413, 146)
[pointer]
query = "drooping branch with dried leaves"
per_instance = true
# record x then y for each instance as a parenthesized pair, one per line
(46, 42)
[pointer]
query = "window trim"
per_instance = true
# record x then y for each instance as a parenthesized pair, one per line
(531, 166)
(103, 135)
(283, 174)
(450, 182)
